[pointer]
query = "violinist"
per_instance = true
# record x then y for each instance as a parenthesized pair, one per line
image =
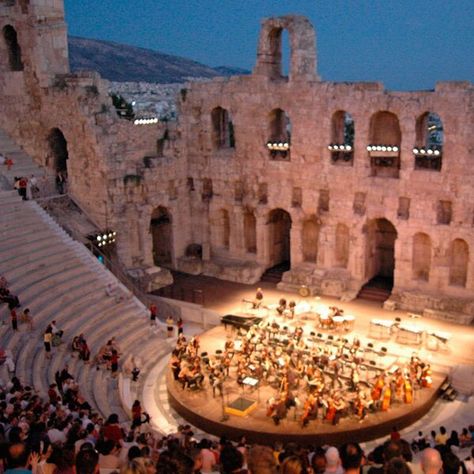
(310, 410)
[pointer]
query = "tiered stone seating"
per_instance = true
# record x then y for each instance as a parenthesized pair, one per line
(57, 278)
(23, 164)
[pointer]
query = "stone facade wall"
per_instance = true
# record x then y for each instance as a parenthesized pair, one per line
(239, 190)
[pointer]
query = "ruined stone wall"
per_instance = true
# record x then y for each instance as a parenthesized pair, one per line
(334, 193)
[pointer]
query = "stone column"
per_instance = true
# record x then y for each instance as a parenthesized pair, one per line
(237, 237)
(144, 235)
(263, 236)
(296, 242)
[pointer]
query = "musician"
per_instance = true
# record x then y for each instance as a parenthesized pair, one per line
(175, 364)
(216, 379)
(281, 306)
(257, 302)
(426, 376)
(291, 307)
(408, 391)
(354, 378)
(387, 397)
(339, 406)
(310, 410)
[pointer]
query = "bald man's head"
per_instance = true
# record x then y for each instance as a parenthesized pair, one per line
(431, 462)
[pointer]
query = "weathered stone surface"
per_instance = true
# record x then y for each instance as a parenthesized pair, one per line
(232, 178)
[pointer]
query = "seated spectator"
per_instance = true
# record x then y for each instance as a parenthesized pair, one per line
(333, 461)
(87, 460)
(18, 459)
(442, 437)
(465, 438)
(108, 455)
(351, 458)
(469, 463)
(453, 440)
(261, 460)
(431, 462)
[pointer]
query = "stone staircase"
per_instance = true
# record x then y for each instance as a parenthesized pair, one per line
(58, 278)
(23, 165)
(377, 289)
(275, 274)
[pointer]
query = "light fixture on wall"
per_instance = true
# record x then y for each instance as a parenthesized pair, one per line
(383, 148)
(145, 121)
(103, 239)
(426, 151)
(278, 146)
(336, 147)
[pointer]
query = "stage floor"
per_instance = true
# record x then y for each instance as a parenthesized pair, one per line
(200, 409)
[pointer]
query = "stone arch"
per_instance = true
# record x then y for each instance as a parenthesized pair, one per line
(58, 155)
(302, 39)
(279, 124)
(381, 235)
(342, 136)
(222, 129)
(161, 228)
(279, 222)
(421, 257)
(384, 148)
(310, 239)
(428, 149)
(220, 229)
(341, 247)
(385, 129)
(13, 48)
(458, 262)
(250, 231)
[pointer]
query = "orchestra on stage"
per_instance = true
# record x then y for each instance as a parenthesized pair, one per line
(311, 379)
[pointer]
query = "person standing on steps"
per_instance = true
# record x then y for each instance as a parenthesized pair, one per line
(169, 325)
(47, 339)
(14, 319)
(153, 314)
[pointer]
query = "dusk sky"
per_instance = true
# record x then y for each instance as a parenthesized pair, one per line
(406, 44)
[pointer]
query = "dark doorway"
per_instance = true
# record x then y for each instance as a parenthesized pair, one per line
(162, 236)
(14, 50)
(279, 237)
(59, 154)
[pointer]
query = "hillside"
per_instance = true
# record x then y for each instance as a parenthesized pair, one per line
(123, 63)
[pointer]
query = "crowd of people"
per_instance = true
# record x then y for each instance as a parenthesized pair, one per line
(59, 433)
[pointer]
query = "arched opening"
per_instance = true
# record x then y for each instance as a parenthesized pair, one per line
(279, 222)
(222, 129)
(428, 149)
(279, 133)
(280, 52)
(220, 230)
(162, 235)
(341, 248)
(421, 257)
(384, 147)
(58, 151)
(310, 239)
(342, 138)
(13, 48)
(458, 262)
(250, 231)
(380, 251)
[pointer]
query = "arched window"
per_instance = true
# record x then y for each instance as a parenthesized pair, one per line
(222, 129)
(13, 48)
(428, 149)
(279, 135)
(384, 147)
(342, 138)
(458, 262)
(421, 257)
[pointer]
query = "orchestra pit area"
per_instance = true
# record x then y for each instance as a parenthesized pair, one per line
(284, 367)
